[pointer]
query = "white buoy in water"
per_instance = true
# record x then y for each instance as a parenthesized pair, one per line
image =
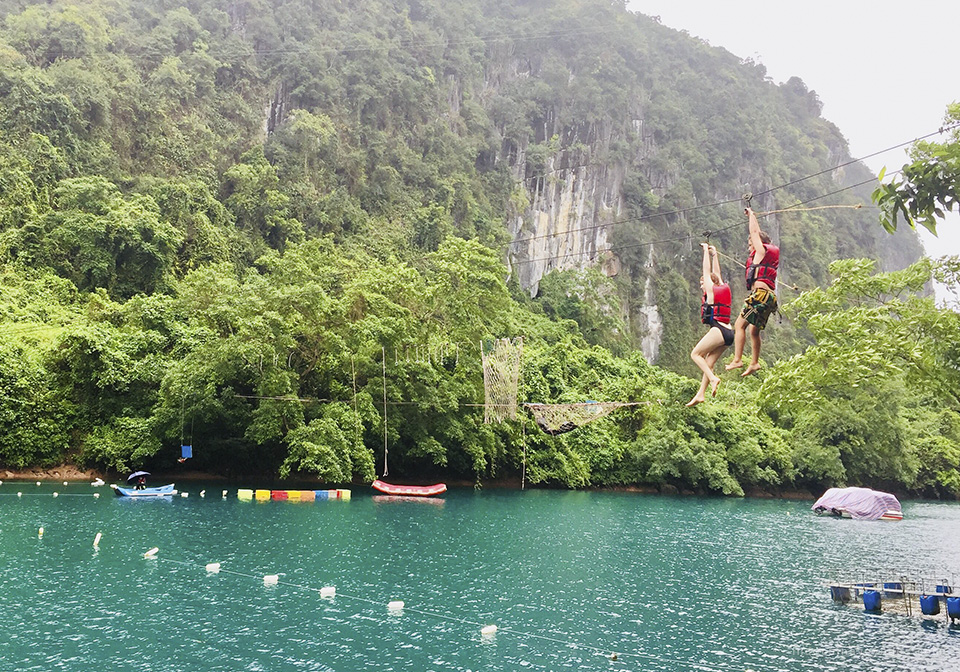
(395, 605)
(19, 494)
(184, 494)
(40, 533)
(97, 483)
(213, 567)
(64, 482)
(152, 553)
(56, 494)
(224, 496)
(271, 579)
(96, 539)
(96, 494)
(488, 630)
(38, 482)
(203, 493)
(328, 592)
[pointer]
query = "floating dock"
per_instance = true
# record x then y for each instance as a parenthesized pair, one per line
(900, 595)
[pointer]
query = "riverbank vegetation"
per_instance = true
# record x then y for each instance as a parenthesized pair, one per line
(247, 225)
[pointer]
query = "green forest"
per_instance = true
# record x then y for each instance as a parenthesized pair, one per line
(281, 231)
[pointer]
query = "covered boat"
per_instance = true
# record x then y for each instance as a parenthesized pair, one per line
(159, 491)
(860, 503)
(409, 490)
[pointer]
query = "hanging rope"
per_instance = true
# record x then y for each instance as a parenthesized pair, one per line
(386, 471)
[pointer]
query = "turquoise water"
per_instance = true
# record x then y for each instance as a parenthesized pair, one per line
(568, 577)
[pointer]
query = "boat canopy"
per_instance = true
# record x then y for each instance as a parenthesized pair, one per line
(862, 503)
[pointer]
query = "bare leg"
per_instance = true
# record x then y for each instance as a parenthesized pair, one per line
(755, 354)
(705, 355)
(739, 340)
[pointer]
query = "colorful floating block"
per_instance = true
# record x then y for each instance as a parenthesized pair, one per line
(293, 495)
(307, 495)
(245, 494)
(322, 494)
(278, 494)
(343, 494)
(262, 495)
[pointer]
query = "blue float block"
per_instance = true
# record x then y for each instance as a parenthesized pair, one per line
(322, 494)
(872, 600)
(953, 607)
(930, 605)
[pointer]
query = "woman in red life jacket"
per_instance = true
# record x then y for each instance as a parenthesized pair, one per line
(762, 263)
(714, 312)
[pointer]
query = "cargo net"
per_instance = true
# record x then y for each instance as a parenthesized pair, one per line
(501, 377)
(560, 418)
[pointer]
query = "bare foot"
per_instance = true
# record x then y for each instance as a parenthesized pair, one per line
(753, 368)
(696, 400)
(714, 384)
(735, 364)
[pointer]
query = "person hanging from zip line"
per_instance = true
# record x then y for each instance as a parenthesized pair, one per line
(714, 312)
(762, 262)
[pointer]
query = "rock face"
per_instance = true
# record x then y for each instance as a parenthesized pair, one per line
(567, 223)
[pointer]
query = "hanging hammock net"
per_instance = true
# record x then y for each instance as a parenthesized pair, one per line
(560, 418)
(501, 377)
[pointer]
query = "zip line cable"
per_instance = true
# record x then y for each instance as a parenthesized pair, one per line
(566, 643)
(688, 236)
(681, 211)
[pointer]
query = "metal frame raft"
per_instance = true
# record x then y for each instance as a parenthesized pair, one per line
(927, 598)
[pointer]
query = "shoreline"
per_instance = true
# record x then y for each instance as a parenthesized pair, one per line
(67, 472)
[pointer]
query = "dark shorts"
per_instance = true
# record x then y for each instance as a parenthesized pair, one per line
(726, 331)
(759, 306)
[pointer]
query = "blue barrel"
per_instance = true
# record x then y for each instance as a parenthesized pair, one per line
(871, 600)
(953, 607)
(930, 605)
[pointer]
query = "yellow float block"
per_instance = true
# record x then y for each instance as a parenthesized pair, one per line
(343, 494)
(293, 494)
(262, 495)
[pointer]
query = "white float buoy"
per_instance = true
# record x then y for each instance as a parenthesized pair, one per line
(96, 494)
(213, 567)
(271, 579)
(19, 494)
(56, 494)
(64, 482)
(97, 483)
(488, 630)
(328, 592)
(395, 605)
(184, 494)
(38, 482)
(203, 493)
(40, 533)
(96, 539)
(152, 553)
(224, 494)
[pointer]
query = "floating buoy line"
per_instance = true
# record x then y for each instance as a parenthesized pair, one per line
(487, 630)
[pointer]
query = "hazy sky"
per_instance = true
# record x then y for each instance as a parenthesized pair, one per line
(885, 71)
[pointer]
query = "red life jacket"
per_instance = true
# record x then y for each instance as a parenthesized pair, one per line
(719, 310)
(766, 270)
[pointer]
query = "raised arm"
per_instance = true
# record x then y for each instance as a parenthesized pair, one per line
(707, 280)
(715, 262)
(758, 249)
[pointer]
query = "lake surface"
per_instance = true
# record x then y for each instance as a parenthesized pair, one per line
(668, 583)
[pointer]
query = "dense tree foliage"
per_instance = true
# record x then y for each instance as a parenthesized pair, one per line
(244, 224)
(928, 186)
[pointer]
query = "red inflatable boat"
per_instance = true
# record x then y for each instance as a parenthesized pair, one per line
(409, 490)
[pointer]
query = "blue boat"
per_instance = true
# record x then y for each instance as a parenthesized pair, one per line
(146, 493)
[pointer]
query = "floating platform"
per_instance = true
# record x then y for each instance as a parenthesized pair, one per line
(246, 494)
(926, 598)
